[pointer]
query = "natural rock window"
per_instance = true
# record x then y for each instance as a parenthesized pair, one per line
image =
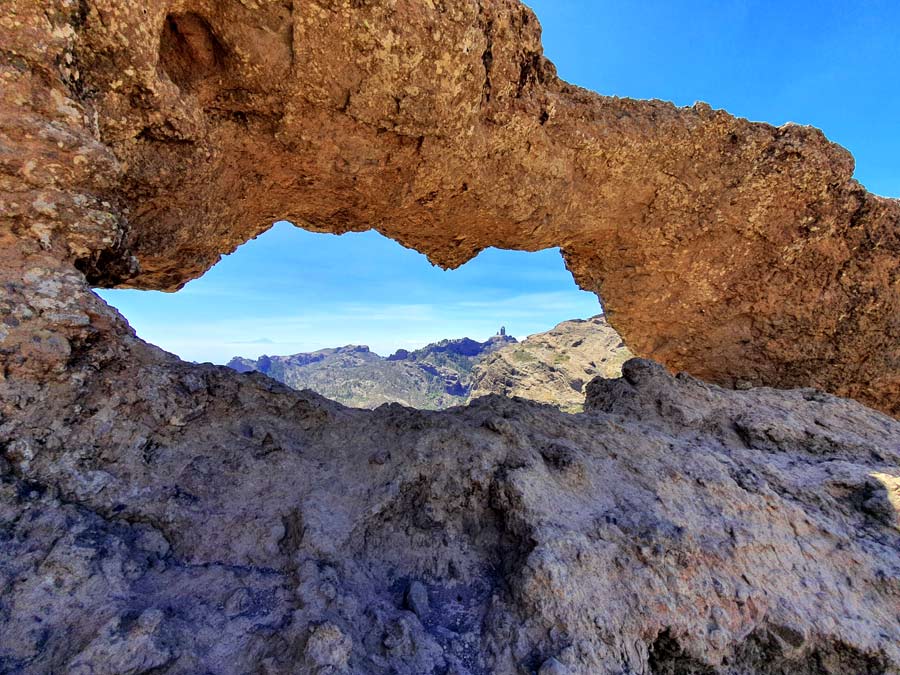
(363, 321)
(162, 516)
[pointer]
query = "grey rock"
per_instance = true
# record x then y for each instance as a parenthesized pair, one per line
(328, 647)
(417, 599)
(436, 376)
(553, 667)
(673, 526)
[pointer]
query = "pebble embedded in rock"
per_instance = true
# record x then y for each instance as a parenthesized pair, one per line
(417, 599)
(328, 646)
(553, 667)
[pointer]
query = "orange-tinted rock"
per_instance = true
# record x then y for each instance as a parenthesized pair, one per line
(152, 137)
(159, 516)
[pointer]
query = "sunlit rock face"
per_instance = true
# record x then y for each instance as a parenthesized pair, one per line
(434, 377)
(555, 366)
(146, 139)
(157, 516)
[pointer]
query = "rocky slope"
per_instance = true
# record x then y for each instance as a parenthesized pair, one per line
(164, 517)
(432, 378)
(553, 367)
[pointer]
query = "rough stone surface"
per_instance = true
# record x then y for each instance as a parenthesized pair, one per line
(141, 140)
(164, 517)
(555, 366)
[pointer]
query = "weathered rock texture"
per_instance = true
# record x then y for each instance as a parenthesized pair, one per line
(554, 366)
(140, 140)
(163, 517)
(157, 516)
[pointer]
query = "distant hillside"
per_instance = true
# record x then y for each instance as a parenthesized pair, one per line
(553, 367)
(550, 367)
(434, 377)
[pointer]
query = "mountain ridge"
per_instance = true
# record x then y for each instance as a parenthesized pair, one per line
(435, 376)
(550, 367)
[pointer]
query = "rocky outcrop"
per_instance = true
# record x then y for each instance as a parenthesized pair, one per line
(165, 517)
(553, 367)
(142, 140)
(157, 516)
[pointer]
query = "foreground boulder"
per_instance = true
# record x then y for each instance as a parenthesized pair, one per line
(144, 139)
(164, 517)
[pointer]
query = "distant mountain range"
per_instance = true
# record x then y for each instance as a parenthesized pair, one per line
(551, 367)
(434, 377)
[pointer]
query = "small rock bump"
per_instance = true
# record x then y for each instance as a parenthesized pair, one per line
(417, 599)
(328, 647)
(380, 457)
(552, 666)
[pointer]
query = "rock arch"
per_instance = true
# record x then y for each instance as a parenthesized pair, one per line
(146, 139)
(160, 516)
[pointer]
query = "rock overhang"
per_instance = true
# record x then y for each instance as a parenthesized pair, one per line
(163, 516)
(155, 137)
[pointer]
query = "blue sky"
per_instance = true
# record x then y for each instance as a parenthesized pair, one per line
(829, 63)
(291, 291)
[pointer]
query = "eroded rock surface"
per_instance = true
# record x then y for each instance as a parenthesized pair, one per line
(144, 139)
(165, 517)
(157, 516)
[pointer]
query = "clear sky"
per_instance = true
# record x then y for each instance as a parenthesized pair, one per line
(834, 64)
(291, 291)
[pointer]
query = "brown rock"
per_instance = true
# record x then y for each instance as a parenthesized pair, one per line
(674, 526)
(143, 140)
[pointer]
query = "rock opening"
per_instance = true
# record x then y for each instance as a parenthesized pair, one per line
(189, 50)
(742, 253)
(320, 312)
(158, 516)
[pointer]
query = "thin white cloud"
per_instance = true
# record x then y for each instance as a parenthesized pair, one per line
(282, 298)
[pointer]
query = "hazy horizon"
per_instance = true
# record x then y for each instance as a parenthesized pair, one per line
(290, 291)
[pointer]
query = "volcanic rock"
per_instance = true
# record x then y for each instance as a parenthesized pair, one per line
(553, 367)
(143, 140)
(434, 377)
(158, 516)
